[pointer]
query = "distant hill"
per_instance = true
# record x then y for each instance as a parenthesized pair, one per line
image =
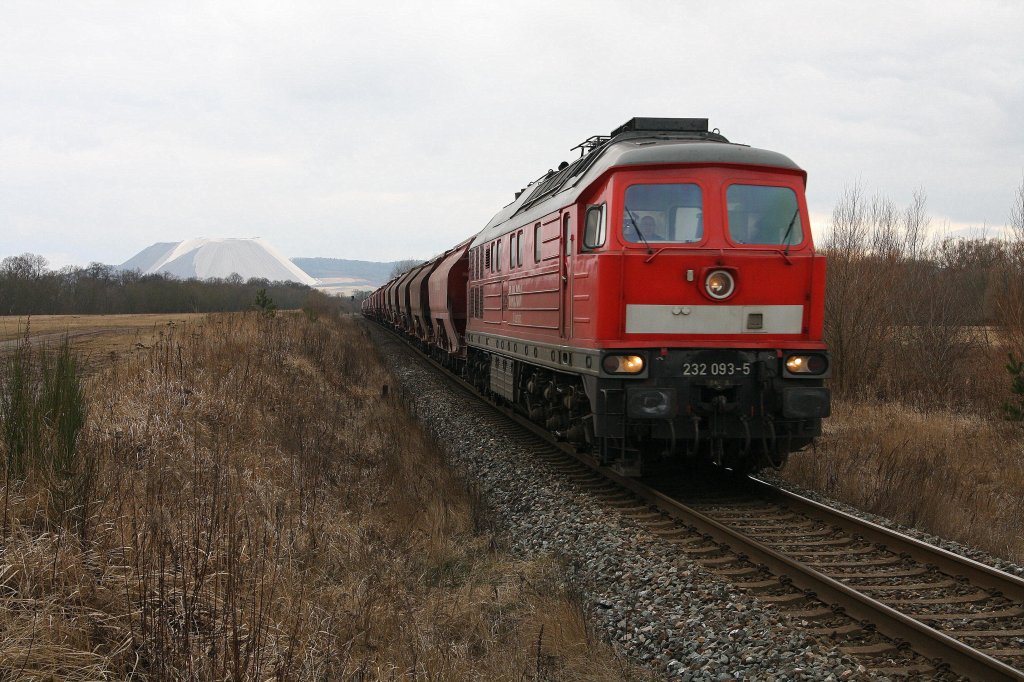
(348, 274)
(205, 258)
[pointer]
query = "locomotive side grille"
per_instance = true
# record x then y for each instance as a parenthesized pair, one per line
(503, 376)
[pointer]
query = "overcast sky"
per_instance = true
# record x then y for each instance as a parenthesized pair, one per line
(388, 130)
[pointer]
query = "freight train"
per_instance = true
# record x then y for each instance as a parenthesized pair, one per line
(657, 299)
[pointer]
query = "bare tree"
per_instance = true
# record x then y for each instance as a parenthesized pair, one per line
(856, 321)
(1010, 299)
(895, 312)
(25, 266)
(404, 266)
(1017, 214)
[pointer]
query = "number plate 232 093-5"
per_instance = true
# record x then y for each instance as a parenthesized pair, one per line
(716, 369)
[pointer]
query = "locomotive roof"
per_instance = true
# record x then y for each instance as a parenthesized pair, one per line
(638, 142)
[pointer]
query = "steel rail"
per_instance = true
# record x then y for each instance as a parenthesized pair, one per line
(940, 648)
(1006, 584)
(937, 646)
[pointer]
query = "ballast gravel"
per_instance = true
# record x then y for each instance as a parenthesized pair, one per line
(655, 606)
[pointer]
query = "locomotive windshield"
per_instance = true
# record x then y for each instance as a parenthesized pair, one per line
(663, 213)
(764, 215)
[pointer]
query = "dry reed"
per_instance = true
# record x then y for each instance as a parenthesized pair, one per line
(263, 509)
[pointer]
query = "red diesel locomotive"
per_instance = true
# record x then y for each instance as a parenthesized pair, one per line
(658, 298)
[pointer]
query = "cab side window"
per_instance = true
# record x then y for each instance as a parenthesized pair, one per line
(595, 230)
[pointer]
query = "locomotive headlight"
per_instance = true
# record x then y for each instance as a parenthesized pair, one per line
(719, 284)
(623, 364)
(809, 364)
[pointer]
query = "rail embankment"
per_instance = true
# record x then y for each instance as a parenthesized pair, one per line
(247, 497)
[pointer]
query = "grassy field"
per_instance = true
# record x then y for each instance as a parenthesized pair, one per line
(98, 339)
(241, 505)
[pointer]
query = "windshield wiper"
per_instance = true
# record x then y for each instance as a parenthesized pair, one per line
(789, 230)
(636, 226)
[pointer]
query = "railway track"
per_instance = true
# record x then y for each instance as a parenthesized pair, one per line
(901, 606)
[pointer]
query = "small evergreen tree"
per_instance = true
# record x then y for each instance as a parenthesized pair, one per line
(1014, 408)
(265, 304)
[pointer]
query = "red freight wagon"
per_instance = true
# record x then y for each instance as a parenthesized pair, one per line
(419, 302)
(447, 294)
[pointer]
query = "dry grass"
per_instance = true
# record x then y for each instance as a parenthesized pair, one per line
(262, 512)
(957, 475)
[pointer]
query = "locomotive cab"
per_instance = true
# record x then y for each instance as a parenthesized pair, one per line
(713, 290)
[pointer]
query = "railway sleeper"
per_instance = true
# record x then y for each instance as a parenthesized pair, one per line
(621, 499)
(903, 671)
(869, 649)
(759, 585)
(886, 587)
(731, 510)
(720, 561)
(770, 516)
(872, 575)
(833, 542)
(664, 524)
(881, 561)
(787, 531)
(786, 599)
(675, 531)
(835, 632)
(761, 526)
(683, 541)
(812, 614)
(851, 551)
(989, 633)
(708, 550)
(737, 571)
(821, 531)
(1004, 653)
(1014, 612)
(645, 517)
(973, 598)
